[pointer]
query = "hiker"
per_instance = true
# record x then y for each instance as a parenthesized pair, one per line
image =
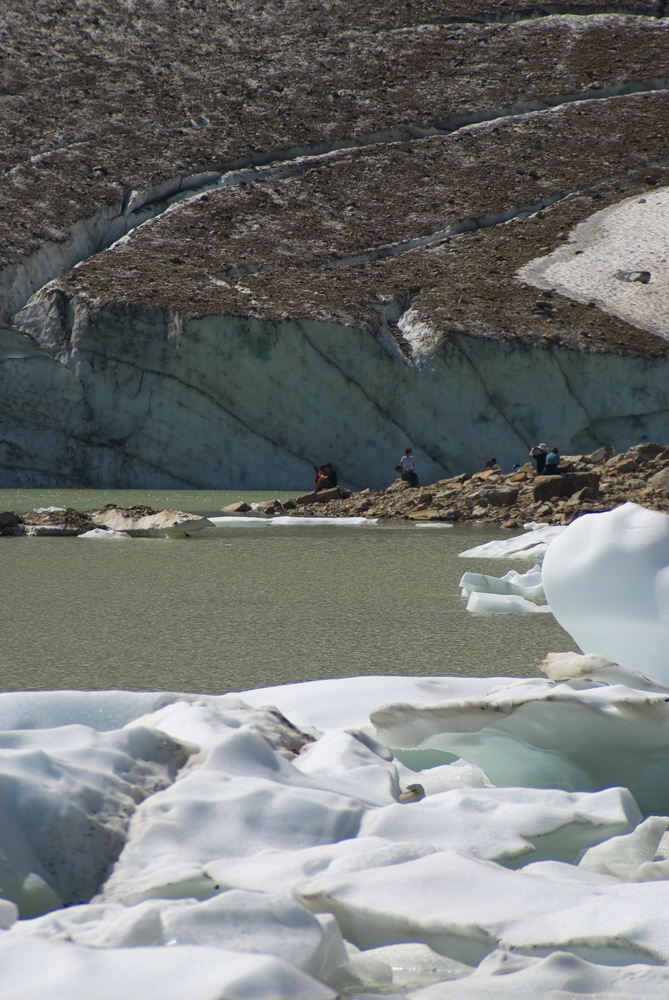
(326, 478)
(552, 466)
(538, 453)
(492, 466)
(406, 468)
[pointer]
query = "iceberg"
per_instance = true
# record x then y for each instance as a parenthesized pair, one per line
(489, 604)
(607, 581)
(530, 545)
(513, 593)
(528, 585)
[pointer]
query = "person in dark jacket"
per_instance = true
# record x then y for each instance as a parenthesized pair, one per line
(538, 453)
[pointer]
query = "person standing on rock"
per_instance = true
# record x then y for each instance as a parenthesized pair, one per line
(538, 453)
(407, 468)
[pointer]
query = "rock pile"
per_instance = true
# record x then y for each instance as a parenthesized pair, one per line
(589, 483)
(137, 521)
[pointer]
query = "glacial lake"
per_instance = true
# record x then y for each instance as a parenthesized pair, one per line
(248, 606)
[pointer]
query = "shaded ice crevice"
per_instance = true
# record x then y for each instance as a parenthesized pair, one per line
(22, 278)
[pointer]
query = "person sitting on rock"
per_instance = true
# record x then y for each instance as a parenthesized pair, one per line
(320, 473)
(408, 473)
(326, 478)
(492, 466)
(538, 453)
(552, 466)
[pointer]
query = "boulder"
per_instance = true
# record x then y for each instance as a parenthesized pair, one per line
(431, 514)
(660, 481)
(475, 499)
(145, 522)
(237, 508)
(269, 507)
(53, 522)
(622, 465)
(565, 485)
(487, 474)
(400, 485)
(325, 496)
(600, 455)
(646, 451)
(492, 496)
(499, 496)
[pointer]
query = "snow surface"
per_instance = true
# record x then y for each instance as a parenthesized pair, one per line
(255, 845)
(209, 847)
(618, 258)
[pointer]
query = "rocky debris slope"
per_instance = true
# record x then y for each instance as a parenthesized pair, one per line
(589, 483)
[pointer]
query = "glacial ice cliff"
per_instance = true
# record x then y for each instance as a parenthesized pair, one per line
(262, 259)
(219, 402)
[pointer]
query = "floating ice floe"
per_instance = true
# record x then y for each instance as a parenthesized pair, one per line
(495, 604)
(528, 585)
(103, 533)
(607, 581)
(513, 593)
(531, 545)
(282, 521)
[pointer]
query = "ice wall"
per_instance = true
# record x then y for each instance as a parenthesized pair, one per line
(119, 396)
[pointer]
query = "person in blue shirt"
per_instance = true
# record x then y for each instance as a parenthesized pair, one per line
(552, 467)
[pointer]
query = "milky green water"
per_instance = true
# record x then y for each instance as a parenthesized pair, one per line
(242, 607)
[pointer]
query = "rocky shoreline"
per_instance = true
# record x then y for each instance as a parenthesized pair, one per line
(587, 484)
(590, 483)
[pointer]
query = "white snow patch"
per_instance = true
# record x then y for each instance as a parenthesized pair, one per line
(618, 258)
